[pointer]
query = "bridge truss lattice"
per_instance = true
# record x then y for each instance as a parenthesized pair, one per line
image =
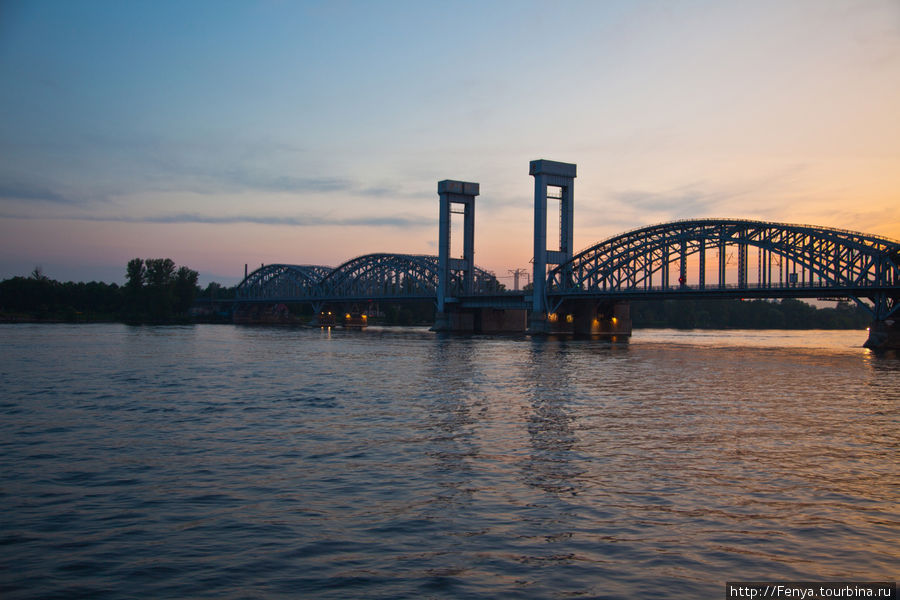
(789, 261)
(380, 276)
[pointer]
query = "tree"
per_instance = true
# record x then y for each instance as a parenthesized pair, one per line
(160, 272)
(135, 301)
(185, 288)
(38, 274)
(158, 291)
(135, 273)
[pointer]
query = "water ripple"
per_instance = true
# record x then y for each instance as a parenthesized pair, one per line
(229, 462)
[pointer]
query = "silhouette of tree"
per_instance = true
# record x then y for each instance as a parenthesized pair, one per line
(185, 289)
(158, 290)
(135, 272)
(38, 274)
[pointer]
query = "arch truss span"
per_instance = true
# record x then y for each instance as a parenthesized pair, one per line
(393, 276)
(377, 276)
(737, 258)
(279, 282)
(381, 276)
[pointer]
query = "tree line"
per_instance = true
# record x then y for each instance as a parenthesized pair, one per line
(739, 314)
(155, 291)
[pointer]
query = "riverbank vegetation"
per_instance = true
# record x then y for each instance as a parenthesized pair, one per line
(740, 314)
(156, 291)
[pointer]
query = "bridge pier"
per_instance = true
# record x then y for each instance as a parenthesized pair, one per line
(884, 335)
(482, 320)
(355, 320)
(442, 321)
(264, 314)
(500, 320)
(316, 309)
(454, 321)
(331, 314)
(591, 319)
(323, 318)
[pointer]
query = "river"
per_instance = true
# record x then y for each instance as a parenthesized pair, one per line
(253, 462)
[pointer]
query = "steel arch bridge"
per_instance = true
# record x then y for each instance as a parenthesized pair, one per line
(380, 276)
(281, 281)
(790, 261)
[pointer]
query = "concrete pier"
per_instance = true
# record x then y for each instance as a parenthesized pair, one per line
(591, 319)
(482, 320)
(264, 314)
(884, 335)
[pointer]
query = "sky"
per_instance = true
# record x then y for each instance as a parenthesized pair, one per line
(223, 133)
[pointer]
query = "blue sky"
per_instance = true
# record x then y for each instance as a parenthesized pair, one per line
(224, 133)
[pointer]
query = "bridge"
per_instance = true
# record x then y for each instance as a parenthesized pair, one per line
(588, 292)
(362, 280)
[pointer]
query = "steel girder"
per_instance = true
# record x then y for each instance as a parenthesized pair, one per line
(381, 276)
(828, 260)
(281, 281)
(369, 277)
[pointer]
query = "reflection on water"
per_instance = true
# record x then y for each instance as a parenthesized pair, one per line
(234, 462)
(552, 438)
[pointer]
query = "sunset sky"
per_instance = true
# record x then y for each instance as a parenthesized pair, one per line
(219, 133)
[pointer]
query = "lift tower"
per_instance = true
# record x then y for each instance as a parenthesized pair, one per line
(455, 194)
(553, 180)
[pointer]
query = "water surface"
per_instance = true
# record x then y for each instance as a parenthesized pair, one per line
(239, 462)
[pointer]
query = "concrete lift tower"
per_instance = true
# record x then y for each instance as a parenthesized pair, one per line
(551, 180)
(459, 194)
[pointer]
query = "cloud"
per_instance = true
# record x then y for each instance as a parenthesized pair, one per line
(686, 201)
(627, 209)
(378, 192)
(168, 179)
(193, 218)
(30, 192)
(306, 221)
(756, 196)
(260, 181)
